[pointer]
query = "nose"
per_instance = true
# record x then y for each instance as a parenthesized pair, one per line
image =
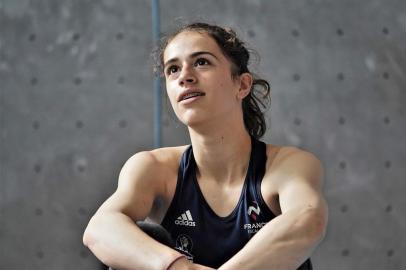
(187, 76)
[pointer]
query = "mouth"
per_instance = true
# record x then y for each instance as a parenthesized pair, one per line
(190, 94)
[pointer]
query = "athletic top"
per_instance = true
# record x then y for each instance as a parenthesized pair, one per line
(202, 235)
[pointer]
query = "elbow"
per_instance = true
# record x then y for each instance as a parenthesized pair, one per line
(89, 235)
(93, 241)
(317, 220)
(320, 229)
(87, 239)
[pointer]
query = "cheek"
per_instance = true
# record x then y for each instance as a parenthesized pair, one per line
(169, 92)
(172, 99)
(227, 90)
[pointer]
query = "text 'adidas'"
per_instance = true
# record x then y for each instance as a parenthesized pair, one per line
(185, 219)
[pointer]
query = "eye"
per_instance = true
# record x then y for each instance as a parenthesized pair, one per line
(201, 62)
(172, 69)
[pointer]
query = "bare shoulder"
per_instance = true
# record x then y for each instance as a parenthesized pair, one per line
(145, 177)
(156, 163)
(159, 156)
(157, 169)
(292, 175)
(290, 162)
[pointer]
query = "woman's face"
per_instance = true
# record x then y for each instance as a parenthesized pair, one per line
(195, 65)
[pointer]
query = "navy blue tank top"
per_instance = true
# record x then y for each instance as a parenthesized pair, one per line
(202, 235)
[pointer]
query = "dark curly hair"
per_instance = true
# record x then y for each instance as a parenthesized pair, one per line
(235, 50)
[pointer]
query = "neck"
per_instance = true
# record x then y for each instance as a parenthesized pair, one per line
(223, 153)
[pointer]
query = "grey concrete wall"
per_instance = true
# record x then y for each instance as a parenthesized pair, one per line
(77, 101)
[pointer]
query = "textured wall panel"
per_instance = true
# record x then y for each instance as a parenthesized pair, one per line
(76, 102)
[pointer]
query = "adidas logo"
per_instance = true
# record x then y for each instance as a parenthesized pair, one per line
(185, 220)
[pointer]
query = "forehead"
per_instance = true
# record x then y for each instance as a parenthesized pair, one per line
(187, 42)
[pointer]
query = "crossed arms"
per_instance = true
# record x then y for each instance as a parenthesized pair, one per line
(282, 244)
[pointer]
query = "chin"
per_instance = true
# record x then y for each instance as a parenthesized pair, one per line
(191, 120)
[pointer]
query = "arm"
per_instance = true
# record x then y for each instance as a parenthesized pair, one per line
(112, 234)
(289, 239)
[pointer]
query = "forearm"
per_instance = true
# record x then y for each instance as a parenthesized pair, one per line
(118, 242)
(282, 244)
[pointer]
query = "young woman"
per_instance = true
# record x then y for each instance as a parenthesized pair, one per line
(228, 200)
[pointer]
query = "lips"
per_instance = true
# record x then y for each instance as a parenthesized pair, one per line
(190, 94)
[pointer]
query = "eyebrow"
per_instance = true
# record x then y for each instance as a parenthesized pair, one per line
(193, 55)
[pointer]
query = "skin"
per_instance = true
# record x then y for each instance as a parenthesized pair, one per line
(291, 187)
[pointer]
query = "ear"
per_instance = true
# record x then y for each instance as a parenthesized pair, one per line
(245, 85)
